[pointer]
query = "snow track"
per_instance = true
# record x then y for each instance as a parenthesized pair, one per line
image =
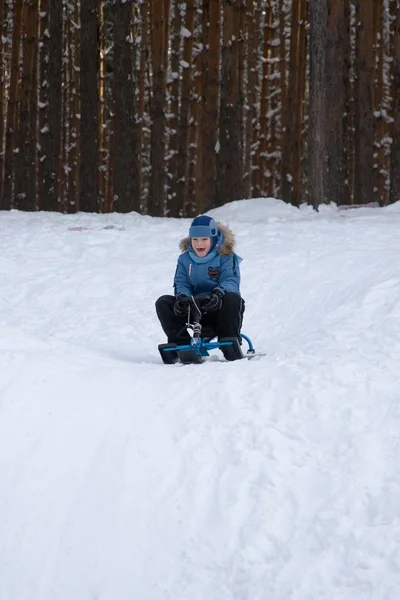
(276, 478)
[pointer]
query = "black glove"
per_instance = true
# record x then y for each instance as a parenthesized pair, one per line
(214, 303)
(181, 305)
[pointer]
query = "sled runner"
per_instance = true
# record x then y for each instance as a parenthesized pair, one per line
(202, 342)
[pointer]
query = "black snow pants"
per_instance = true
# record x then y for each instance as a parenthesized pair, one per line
(226, 322)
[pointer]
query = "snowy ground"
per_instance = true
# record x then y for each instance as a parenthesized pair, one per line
(271, 479)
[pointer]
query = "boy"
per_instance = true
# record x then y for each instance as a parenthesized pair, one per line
(207, 267)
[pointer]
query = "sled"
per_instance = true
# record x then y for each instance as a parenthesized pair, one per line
(197, 351)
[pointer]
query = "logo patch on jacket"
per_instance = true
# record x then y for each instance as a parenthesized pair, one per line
(213, 271)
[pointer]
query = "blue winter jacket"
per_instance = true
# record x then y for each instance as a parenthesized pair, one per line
(220, 271)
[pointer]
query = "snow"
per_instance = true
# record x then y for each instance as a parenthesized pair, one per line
(185, 33)
(275, 478)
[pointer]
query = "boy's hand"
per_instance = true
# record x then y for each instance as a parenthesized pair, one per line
(214, 303)
(181, 304)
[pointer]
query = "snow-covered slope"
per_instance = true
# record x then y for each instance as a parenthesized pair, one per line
(122, 478)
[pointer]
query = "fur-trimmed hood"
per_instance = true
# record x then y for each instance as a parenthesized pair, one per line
(227, 246)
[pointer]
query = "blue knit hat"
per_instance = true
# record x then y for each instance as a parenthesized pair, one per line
(203, 226)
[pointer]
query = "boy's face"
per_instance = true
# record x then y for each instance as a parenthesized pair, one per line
(201, 245)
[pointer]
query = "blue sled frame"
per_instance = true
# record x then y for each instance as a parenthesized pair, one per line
(198, 350)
